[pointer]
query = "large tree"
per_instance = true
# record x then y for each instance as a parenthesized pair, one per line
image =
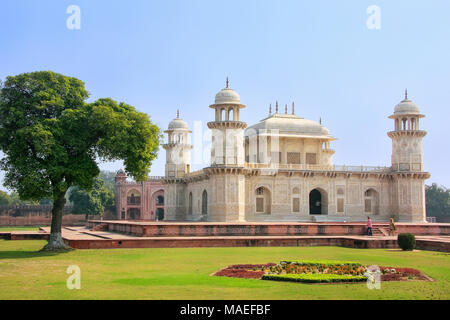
(51, 139)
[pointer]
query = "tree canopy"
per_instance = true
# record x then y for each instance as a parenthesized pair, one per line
(91, 202)
(52, 138)
(5, 199)
(438, 201)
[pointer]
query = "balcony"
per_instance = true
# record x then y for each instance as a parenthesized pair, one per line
(134, 201)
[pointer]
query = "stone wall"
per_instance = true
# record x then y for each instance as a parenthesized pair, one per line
(41, 216)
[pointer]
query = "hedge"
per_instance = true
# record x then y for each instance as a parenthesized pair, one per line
(327, 263)
(314, 278)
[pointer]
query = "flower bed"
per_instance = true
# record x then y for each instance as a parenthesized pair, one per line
(317, 267)
(249, 271)
(318, 272)
(401, 274)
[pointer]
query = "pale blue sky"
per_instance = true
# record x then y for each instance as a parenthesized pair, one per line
(163, 55)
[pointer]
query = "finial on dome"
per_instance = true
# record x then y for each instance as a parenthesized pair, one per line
(406, 94)
(320, 121)
(270, 110)
(293, 108)
(276, 110)
(285, 108)
(178, 114)
(228, 83)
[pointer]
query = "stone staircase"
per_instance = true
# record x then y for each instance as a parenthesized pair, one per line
(380, 232)
(101, 227)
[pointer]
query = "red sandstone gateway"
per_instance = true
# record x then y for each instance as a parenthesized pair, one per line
(139, 201)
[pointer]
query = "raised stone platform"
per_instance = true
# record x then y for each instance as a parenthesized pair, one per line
(140, 234)
(24, 235)
(202, 229)
(84, 238)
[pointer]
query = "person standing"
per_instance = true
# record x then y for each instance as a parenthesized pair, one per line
(392, 228)
(369, 227)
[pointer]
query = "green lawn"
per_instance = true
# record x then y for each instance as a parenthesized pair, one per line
(7, 229)
(184, 273)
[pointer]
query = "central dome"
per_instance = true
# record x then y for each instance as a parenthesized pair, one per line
(227, 96)
(290, 125)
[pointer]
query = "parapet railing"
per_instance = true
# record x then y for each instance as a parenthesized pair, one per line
(311, 167)
(196, 173)
(152, 178)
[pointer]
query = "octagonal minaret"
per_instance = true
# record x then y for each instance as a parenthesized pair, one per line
(407, 137)
(227, 147)
(226, 176)
(408, 187)
(178, 156)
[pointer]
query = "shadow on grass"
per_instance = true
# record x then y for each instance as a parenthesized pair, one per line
(31, 254)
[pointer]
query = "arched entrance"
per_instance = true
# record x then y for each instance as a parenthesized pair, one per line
(204, 203)
(371, 201)
(263, 203)
(157, 204)
(159, 214)
(134, 214)
(318, 202)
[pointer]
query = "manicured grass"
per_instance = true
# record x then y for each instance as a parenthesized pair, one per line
(14, 228)
(185, 273)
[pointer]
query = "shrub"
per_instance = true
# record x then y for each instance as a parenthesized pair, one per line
(314, 278)
(407, 241)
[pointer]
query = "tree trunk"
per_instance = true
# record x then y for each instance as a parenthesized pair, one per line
(55, 241)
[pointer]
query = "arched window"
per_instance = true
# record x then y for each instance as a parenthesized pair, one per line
(371, 201)
(222, 115)
(340, 197)
(190, 203)
(230, 114)
(296, 200)
(205, 203)
(263, 202)
(134, 197)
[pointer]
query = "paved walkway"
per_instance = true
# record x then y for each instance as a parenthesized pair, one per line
(84, 238)
(83, 233)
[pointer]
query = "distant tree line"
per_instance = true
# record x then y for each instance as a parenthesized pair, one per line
(438, 202)
(13, 199)
(89, 202)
